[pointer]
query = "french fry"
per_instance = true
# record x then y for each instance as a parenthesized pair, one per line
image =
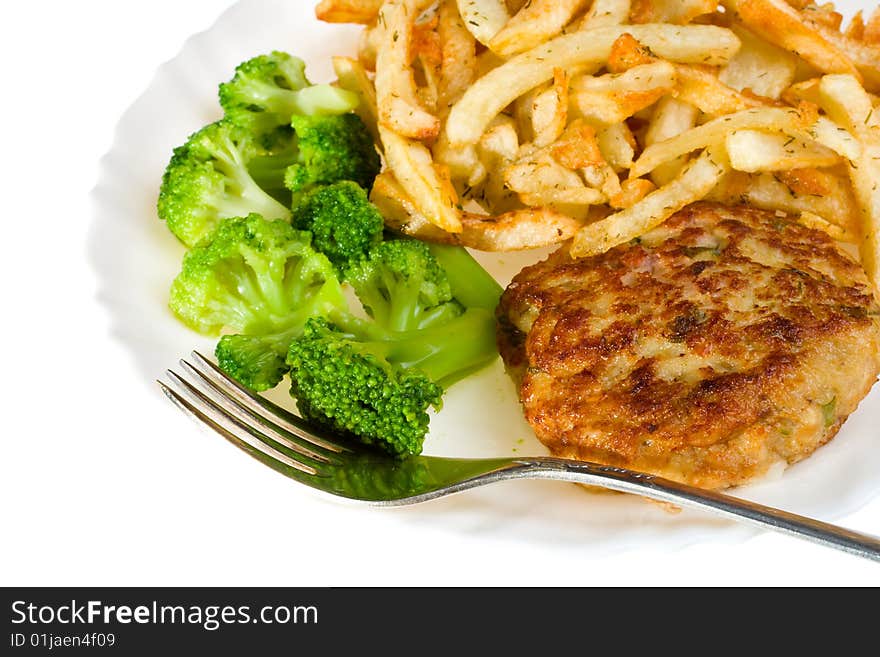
(497, 89)
(864, 56)
(781, 24)
(550, 110)
(536, 22)
(348, 11)
(426, 55)
(614, 97)
(483, 18)
(705, 91)
(529, 228)
(760, 66)
(631, 192)
(368, 46)
(605, 12)
(626, 53)
(458, 56)
(353, 76)
(463, 162)
(617, 145)
(777, 192)
(577, 147)
(847, 103)
(778, 119)
(754, 150)
(671, 118)
(427, 183)
(399, 106)
(541, 180)
(871, 33)
(511, 231)
(694, 183)
(678, 12)
(813, 220)
(694, 84)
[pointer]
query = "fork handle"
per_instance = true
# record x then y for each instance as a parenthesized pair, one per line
(665, 490)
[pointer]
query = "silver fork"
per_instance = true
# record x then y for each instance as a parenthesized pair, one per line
(288, 444)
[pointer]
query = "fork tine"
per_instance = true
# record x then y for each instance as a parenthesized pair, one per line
(232, 406)
(202, 409)
(260, 406)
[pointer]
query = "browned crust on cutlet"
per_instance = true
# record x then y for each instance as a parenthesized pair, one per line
(725, 341)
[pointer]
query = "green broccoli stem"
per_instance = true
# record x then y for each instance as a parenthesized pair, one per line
(232, 164)
(472, 286)
(403, 310)
(309, 101)
(445, 354)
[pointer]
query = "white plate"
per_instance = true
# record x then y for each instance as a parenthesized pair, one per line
(481, 416)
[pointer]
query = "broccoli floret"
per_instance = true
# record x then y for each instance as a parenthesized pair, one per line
(432, 324)
(267, 90)
(276, 152)
(256, 277)
(256, 361)
(402, 286)
(343, 223)
(207, 180)
(377, 385)
(331, 148)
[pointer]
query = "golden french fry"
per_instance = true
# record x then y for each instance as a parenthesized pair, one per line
(550, 110)
(401, 213)
(626, 53)
(563, 196)
(617, 144)
(528, 228)
(671, 118)
(535, 23)
(483, 18)
(577, 147)
(695, 84)
(603, 177)
(754, 150)
(760, 66)
(427, 183)
(679, 12)
(847, 103)
(500, 143)
(399, 106)
(871, 33)
(464, 163)
(614, 97)
(781, 24)
(705, 91)
(829, 196)
(631, 192)
(458, 56)
(540, 174)
(348, 11)
(606, 12)
(353, 76)
(778, 119)
(694, 183)
(864, 56)
(489, 95)
(813, 220)
(368, 46)
(824, 15)
(426, 55)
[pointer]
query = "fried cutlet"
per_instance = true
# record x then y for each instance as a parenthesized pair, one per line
(717, 345)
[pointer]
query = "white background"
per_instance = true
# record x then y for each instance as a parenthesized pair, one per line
(88, 498)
